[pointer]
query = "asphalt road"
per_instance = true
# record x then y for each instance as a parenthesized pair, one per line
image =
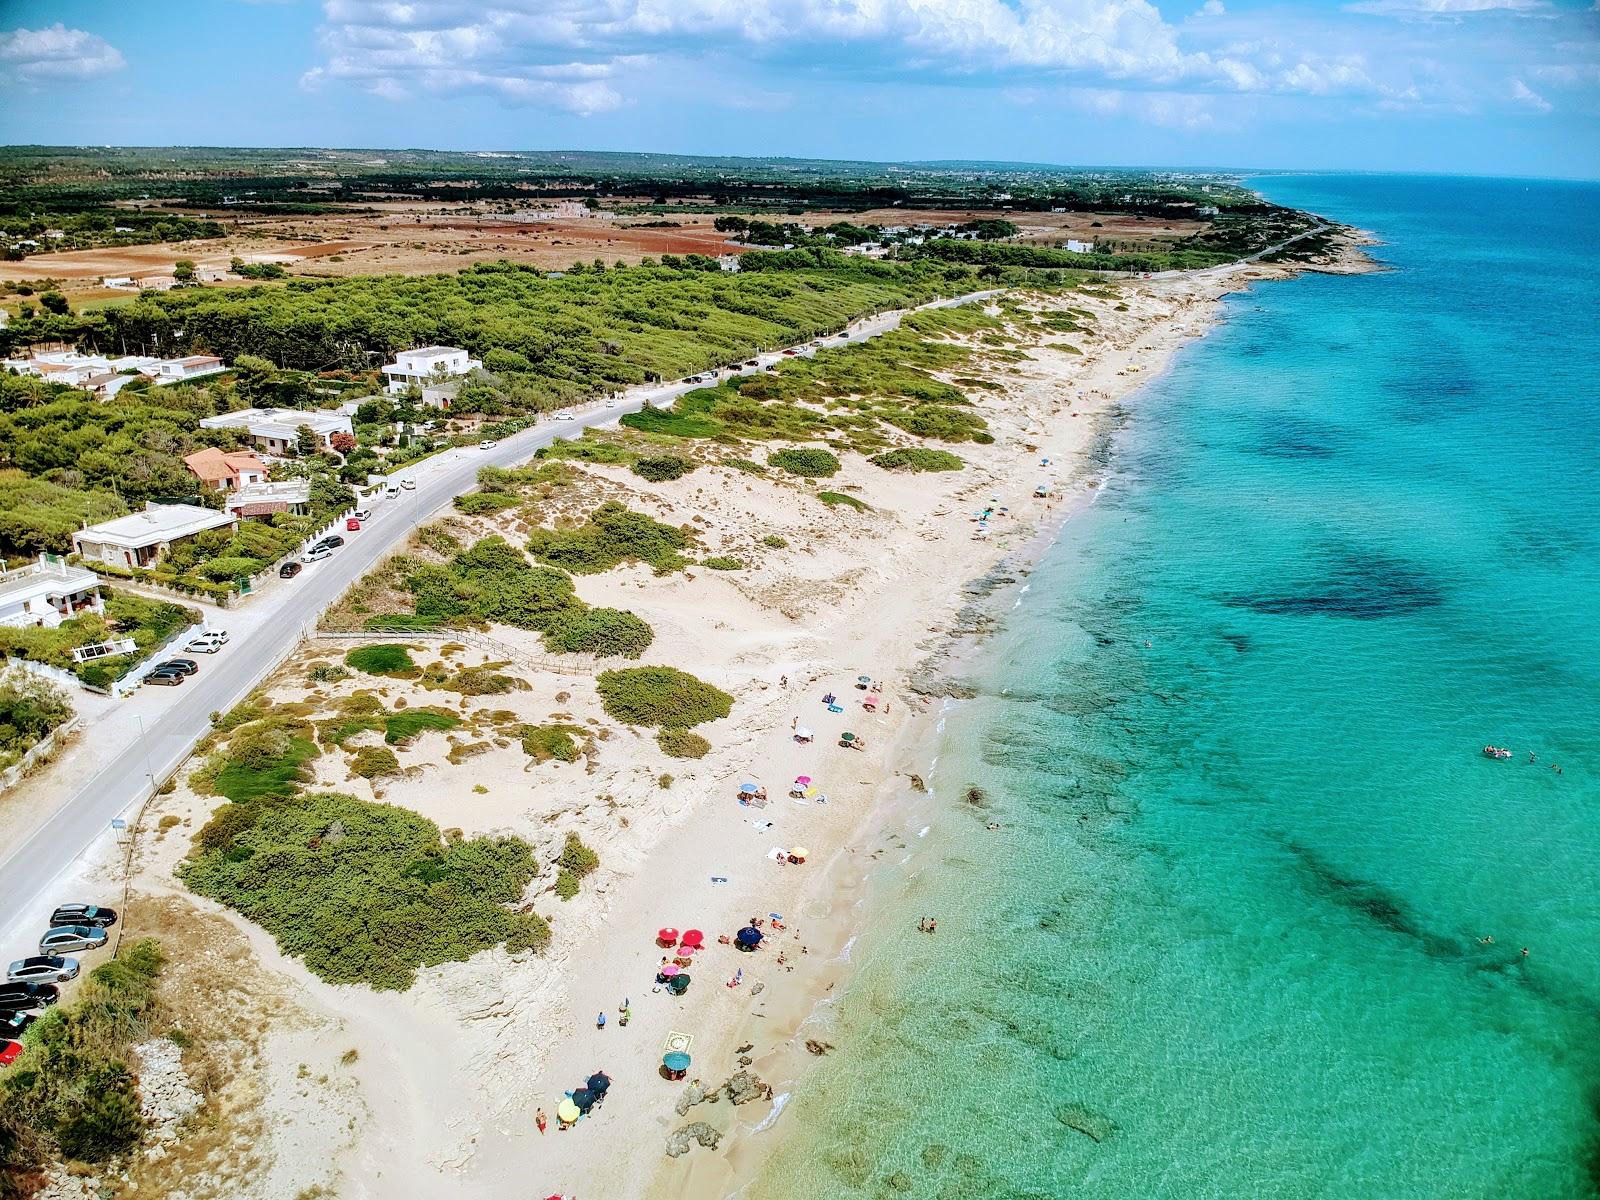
(224, 679)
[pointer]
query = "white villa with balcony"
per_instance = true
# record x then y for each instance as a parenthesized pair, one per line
(277, 430)
(139, 539)
(430, 364)
(47, 593)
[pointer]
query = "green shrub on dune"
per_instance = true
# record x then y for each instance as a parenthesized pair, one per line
(663, 696)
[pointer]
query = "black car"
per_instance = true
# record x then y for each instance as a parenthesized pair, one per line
(184, 666)
(332, 542)
(12, 1023)
(16, 997)
(289, 570)
(95, 915)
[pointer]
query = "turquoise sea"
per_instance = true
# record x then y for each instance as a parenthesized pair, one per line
(1229, 939)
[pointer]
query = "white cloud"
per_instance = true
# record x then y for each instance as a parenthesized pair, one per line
(1432, 9)
(1214, 8)
(36, 56)
(531, 51)
(1523, 94)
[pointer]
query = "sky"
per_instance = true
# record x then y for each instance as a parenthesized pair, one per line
(1498, 87)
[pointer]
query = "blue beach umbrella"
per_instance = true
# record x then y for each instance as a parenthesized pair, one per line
(749, 936)
(676, 1061)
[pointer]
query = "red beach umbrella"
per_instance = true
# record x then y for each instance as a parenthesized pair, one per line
(693, 937)
(668, 934)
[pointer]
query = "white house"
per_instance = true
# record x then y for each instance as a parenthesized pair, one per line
(277, 430)
(47, 593)
(61, 366)
(139, 539)
(264, 499)
(117, 281)
(427, 364)
(1078, 247)
(179, 370)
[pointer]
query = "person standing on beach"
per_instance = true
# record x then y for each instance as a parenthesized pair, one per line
(540, 1120)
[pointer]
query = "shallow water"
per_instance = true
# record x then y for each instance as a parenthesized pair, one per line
(1228, 940)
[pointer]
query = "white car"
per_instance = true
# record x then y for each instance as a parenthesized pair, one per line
(410, 485)
(486, 444)
(610, 403)
(362, 514)
(208, 641)
(564, 415)
(316, 554)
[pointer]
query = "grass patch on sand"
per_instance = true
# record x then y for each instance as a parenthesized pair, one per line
(811, 461)
(661, 696)
(916, 458)
(682, 743)
(837, 498)
(364, 892)
(542, 743)
(388, 660)
(614, 534)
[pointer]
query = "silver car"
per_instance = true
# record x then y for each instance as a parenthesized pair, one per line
(43, 968)
(71, 937)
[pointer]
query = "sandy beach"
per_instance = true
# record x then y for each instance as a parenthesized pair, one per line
(434, 1090)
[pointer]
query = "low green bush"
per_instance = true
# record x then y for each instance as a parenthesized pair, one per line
(681, 743)
(604, 632)
(660, 468)
(477, 504)
(576, 857)
(269, 762)
(837, 498)
(916, 458)
(662, 696)
(545, 742)
(383, 659)
(614, 534)
(721, 562)
(403, 727)
(810, 461)
(365, 892)
(373, 762)
(775, 541)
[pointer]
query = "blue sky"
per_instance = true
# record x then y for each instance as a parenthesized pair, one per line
(1475, 86)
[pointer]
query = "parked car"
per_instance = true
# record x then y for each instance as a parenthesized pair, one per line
(71, 937)
(290, 569)
(564, 415)
(165, 678)
(791, 353)
(363, 515)
(351, 525)
(207, 641)
(96, 915)
(410, 485)
(392, 491)
(17, 997)
(332, 542)
(185, 666)
(42, 968)
(487, 444)
(316, 554)
(752, 362)
(9, 1053)
(12, 1023)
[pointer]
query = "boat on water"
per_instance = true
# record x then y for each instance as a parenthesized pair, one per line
(1496, 752)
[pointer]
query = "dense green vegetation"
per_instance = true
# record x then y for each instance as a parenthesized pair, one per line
(810, 461)
(150, 623)
(30, 708)
(660, 467)
(73, 1094)
(574, 862)
(390, 660)
(268, 760)
(493, 581)
(94, 228)
(682, 743)
(916, 458)
(614, 534)
(364, 892)
(661, 696)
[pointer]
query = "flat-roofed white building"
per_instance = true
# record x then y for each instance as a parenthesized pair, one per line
(139, 539)
(1078, 247)
(264, 499)
(192, 366)
(429, 364)
(277, 430)
(47, 593)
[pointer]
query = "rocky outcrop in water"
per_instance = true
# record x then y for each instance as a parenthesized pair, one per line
(1095, 1126)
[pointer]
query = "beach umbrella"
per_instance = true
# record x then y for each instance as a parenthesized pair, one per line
(863, 678)
(599, 1083)
(668, 934)
(676, 1061)
(670, 970)
(746, 789)
(847, 737)
(799, 852)
(803, 780)
(803, 732)
(678, 984)
(584, 1099)
(567, 1112)
(749, 936)
(693, 937)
